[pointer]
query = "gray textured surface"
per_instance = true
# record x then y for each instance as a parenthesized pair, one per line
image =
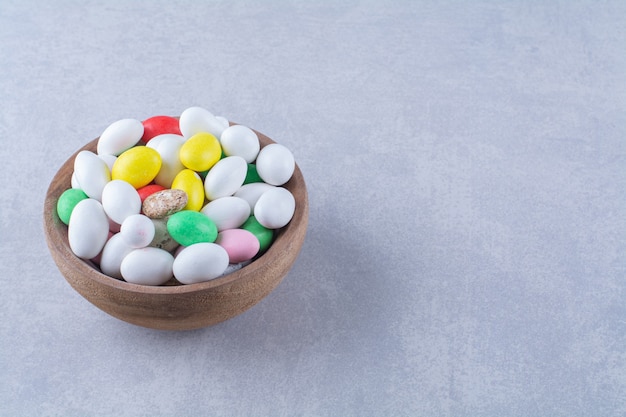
(466, 169)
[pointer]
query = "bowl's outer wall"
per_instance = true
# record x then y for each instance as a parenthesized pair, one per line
(181, 307)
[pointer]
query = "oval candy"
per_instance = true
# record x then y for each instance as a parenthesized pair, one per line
(67, 201)
(147, 266)
(262, 233)
(137, 166)
(92, 174)
(227, 212)
(197, 119)
(159, 125)
(120, 200)
(252, 192)
(147, 190)
(226, 177)
(113, 254)
(188, 227)
(88, 229)
(191, 183)
(168, 146)
(252, 175)
(275, 208)
(164, 203)
(137, 230)
(109, 160)
(200, 262)
(275, 164)
(120, 136)
(240, 244)
(200, 152)
(240, 141)
(162, 239)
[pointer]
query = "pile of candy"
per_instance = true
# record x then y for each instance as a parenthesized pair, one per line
(190, 198)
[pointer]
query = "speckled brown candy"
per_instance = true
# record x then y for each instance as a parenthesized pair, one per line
(164, 203)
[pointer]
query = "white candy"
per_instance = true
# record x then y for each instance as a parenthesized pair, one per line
(241, 141)
(196, 119)
(200, 262)
(168, 146)
(120, 136)
(251, 192)
(74, 181)
(113, 254)
(147, 266)
(275, 208)
(92, 174)
(120, 200)
(137, 231)
(275, 164)
(108, 159)
(227, 212)
(225, 177)
(88, 229)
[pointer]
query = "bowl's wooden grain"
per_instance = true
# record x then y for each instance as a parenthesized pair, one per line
(176, 307)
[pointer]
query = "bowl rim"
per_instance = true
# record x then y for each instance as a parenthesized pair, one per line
(56, 231)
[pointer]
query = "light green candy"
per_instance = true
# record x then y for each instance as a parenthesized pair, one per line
(188, 227)
(261, 232)
(67, 201)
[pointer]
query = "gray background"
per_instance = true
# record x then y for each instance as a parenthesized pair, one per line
(466, 171)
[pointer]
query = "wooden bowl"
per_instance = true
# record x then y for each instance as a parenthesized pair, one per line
(176, 307)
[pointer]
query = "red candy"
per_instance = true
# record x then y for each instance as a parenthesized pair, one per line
(159, 125)
(148, 190)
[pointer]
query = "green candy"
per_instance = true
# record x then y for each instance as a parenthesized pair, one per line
(252, 175)
(188, 227)
(261, 232)
(67, 201)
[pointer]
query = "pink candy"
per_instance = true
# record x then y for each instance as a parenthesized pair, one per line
(241, 245)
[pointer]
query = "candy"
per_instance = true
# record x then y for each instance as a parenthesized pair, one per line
(164, 203)
(275, 208)
(120, 136)
(113, 254)
(252, 175)
(241, 245)
(67, 201)
(275, 164)
(137, 166)
(159, 125)
(108, 159)
(200, 152)
(252, 192)
(168, 146)
(137, 231)
(162, 239)
(88, 229)
(225, 177)
(241, 141)
(120, 200)
(196, 119)
(201, 199)
(147, 266)
(191, 183)
(227, 212)
(262, 233)
(92, 174)
(146, 191)
(188, 227)
(200, 262)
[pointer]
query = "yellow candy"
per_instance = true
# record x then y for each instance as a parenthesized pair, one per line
(191, 183)
(200, 152)
(137, 166)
